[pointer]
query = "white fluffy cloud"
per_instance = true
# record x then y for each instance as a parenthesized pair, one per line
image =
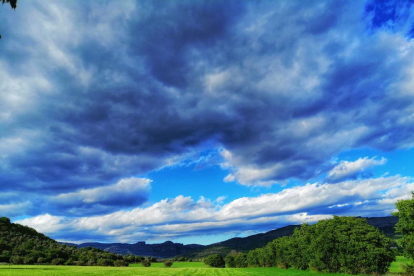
(182, 216)
(346, 169)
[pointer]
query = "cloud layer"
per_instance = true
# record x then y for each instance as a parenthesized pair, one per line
(183, 217)
(95, 94)
(95, 98)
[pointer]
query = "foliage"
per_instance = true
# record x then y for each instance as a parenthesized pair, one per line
(189, 269)
(146, 262)
(229, 260)
(342, 244)
(13, 3)
(168, 263)
(240, 260)
(215, 260)
(405, 226)
(24, 245)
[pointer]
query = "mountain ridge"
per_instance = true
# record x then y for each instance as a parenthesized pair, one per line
(170, 249)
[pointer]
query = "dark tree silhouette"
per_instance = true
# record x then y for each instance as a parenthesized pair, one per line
(13, 4)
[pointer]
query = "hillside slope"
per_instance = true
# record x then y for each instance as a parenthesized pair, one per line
(384, 224)
(169, 249)
(21, 244)
(163, 250)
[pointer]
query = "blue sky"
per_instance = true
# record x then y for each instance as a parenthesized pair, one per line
(198, 121)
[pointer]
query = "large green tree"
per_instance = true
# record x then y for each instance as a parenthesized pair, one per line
(405, 226)
(341, 244)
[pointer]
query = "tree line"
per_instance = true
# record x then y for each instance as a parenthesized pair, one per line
(23, 245)
(342, 244)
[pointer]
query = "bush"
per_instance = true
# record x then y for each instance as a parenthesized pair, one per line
(229, 260)
(408, 269)
(105, 262)
(41, 260)
(16, 260)
(215, 260)
(29, 260)
(58, 261)
(79, 263)
(146, 263)
(240, 260)
(168, 263)
(253, 257)
(119, 263)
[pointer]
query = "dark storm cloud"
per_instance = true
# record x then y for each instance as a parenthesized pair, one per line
(110, 90)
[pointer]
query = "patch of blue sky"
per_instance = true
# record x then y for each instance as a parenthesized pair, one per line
(197, 179)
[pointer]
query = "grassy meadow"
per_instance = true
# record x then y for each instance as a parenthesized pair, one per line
(157, 269)
(396, 266)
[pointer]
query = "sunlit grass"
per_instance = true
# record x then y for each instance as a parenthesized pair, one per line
(396, 267)
(158, 269)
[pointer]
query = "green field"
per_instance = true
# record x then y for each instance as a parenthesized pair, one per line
(178, 269)
(396, 266)
(176, 265)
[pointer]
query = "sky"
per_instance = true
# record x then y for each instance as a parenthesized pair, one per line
(199, 121)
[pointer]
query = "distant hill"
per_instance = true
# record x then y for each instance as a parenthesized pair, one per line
(385, 224)
(167, 249)
(242, 244)
(195, 251)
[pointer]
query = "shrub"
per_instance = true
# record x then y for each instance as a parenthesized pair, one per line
(240, 260)
(119, 263)
(215, 260)
(79, 263)
(229, 260)
(408, 269)
(41, 260)
(146, 263)
(58, 261)
(29, 260)
(16, 260)
(105, 262)
(168, 263)
(253, 257)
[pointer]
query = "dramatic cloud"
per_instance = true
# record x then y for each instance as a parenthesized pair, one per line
(94, 98)
(125, 193)
(182, 216)
(95, 93)
(346, 169)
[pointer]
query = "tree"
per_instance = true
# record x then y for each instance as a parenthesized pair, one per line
(349, 245)
(405, 226)
(229, 260)
(215, 260)
(341, 244)
(146, 262)
(253, 257)
(240, 260)
(13, 3)
(168, 263)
